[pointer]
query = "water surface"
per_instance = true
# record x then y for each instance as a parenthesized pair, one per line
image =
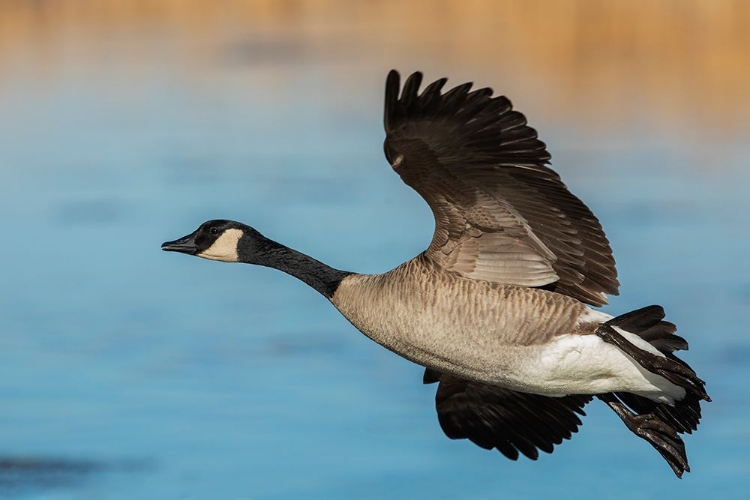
(131, 373)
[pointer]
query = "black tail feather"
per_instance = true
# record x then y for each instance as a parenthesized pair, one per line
(662, 436)
(684, 416)
(648, 324)
(657, 423)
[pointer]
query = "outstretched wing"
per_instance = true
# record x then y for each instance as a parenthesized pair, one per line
(512, 422)
(501, 215)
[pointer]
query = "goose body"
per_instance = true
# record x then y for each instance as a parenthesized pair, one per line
(520, 338)
(498, 307)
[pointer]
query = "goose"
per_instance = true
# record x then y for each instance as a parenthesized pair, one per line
(499, 309)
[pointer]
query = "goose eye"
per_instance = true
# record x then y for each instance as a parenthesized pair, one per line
(214, 231)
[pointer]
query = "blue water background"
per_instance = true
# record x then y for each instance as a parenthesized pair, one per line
(129, 373)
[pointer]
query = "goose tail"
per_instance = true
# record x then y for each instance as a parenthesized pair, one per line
(648, 324)
(658, 423)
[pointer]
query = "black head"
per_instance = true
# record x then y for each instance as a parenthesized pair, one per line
(231, 241)
(214, 239)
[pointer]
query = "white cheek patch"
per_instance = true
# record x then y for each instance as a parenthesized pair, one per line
(225, 247)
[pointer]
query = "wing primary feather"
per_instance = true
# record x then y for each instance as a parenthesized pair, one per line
(512, 422)
(392, 86)
(430, 98)
(410, 93)
(455, 98)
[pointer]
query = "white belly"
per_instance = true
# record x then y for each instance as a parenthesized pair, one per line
(585, 364)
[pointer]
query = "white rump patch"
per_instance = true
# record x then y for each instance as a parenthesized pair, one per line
(585, 364)
(594, 316)
(572, 354)
(225, 247)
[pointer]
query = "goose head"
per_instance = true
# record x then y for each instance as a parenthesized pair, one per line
(222, 240)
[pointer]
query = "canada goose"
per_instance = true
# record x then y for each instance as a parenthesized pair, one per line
(498, 307)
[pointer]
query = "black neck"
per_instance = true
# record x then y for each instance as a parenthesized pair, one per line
(319, 276)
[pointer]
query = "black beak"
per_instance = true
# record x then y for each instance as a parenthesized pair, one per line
(186, 244)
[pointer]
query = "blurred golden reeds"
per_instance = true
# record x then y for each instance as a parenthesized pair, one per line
(692, 57)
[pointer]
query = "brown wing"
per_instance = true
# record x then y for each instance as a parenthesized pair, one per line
(501, 215)
(512, 422)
